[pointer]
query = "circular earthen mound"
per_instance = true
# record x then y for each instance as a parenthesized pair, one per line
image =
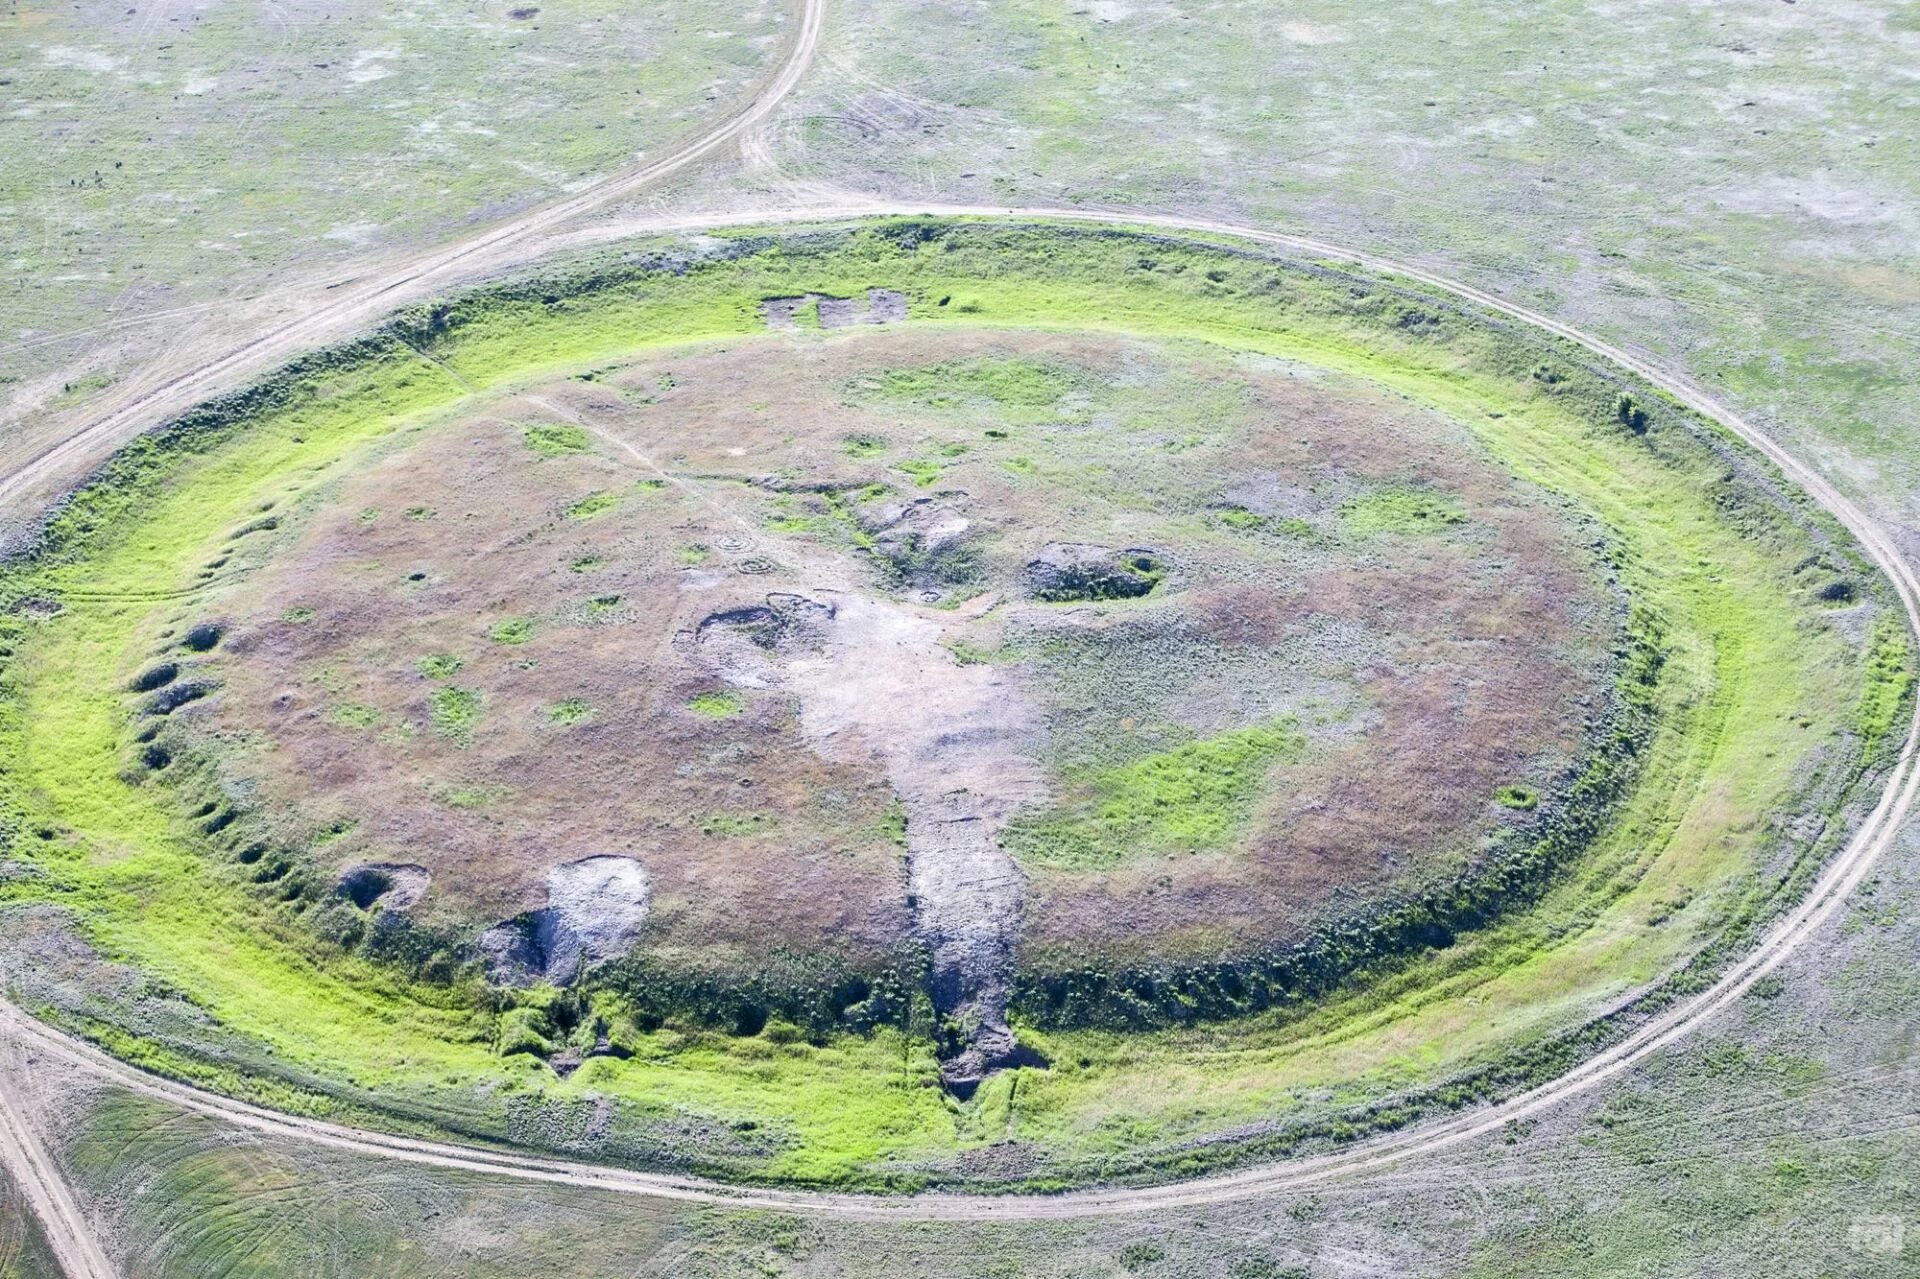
(1002, 647)
(689, 709)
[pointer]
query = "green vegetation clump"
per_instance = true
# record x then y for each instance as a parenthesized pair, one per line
(595, 503)
(893, 826)
(439, 666)
(524, 1030)
(1190, 799)
(1113, 577)
(569, 711)
(556, 439)
(1889, 683)
(1402, 509)
(455, 712)
(1242, 520)
(355, 715)
(724, 704)
(511, 630)
(1518, 798)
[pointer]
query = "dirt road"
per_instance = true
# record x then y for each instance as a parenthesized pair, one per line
(39, 1180)
(1838, 880)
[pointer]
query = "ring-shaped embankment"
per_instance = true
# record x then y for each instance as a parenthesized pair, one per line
(1046, 589)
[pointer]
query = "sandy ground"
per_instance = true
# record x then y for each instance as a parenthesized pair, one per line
(957, 765)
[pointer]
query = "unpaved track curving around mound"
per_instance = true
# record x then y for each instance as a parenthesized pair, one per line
(1836, 882)
(359, 303)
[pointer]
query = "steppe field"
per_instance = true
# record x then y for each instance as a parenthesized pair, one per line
(829, 638)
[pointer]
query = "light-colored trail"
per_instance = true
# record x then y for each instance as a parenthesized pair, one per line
(1841, 876)
(40, 1183)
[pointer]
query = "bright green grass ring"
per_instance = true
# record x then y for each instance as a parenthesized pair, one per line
(923, 703)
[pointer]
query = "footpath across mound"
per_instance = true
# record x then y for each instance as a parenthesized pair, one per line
(931, 702)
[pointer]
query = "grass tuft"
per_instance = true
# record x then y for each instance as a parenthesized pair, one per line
(556, 439)
(569, 711)
(439, 666)
(717, 705)
(455, 712)
(595, 503)
(1518, 798)
(511, 630)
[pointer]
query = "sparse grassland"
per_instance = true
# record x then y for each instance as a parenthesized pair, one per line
(1032, 389)
(1400, 510)
(1765, 698)
(366, 131)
